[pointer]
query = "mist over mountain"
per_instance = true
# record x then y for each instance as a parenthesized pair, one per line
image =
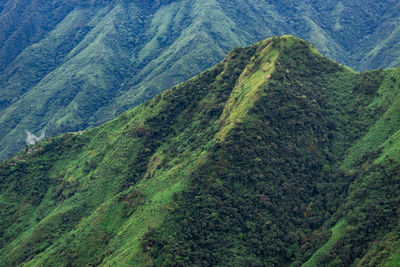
(70, 65)
(276, 156)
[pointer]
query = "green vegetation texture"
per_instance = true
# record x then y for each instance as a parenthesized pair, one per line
(69, 65)
(277, 156)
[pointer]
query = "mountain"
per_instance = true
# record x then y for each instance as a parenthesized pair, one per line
(277, 156)
(71, 65)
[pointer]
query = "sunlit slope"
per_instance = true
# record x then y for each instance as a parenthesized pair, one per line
(110, 184)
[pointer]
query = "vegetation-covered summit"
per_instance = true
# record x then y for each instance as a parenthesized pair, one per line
(68, 65)
(276, 156)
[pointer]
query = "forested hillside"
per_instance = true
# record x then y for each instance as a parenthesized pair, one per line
(70, 65)
(277, 156)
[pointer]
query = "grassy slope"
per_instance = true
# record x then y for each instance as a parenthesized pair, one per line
(113, 182)
(90, 198)
(98, 59)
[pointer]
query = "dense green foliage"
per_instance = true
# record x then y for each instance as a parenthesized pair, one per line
(68, 65)
(276, 156)
(275, 180)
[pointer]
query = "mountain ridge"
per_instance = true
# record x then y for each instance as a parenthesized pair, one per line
(72, 65)
(190, 177)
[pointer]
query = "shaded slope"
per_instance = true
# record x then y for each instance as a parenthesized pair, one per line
(71, 65)
(367, 231)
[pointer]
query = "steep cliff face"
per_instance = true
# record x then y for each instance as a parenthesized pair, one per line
(71, 65)
(275, 156)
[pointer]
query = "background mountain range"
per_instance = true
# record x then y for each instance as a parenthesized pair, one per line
(276, 156)
(70, 65)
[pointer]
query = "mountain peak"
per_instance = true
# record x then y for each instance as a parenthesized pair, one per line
(71, 65)
(258, 160)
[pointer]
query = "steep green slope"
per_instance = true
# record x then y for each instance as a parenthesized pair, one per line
(370, 215)
(94, 186)
(253, 162)
(275, 186)
(72, 65)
